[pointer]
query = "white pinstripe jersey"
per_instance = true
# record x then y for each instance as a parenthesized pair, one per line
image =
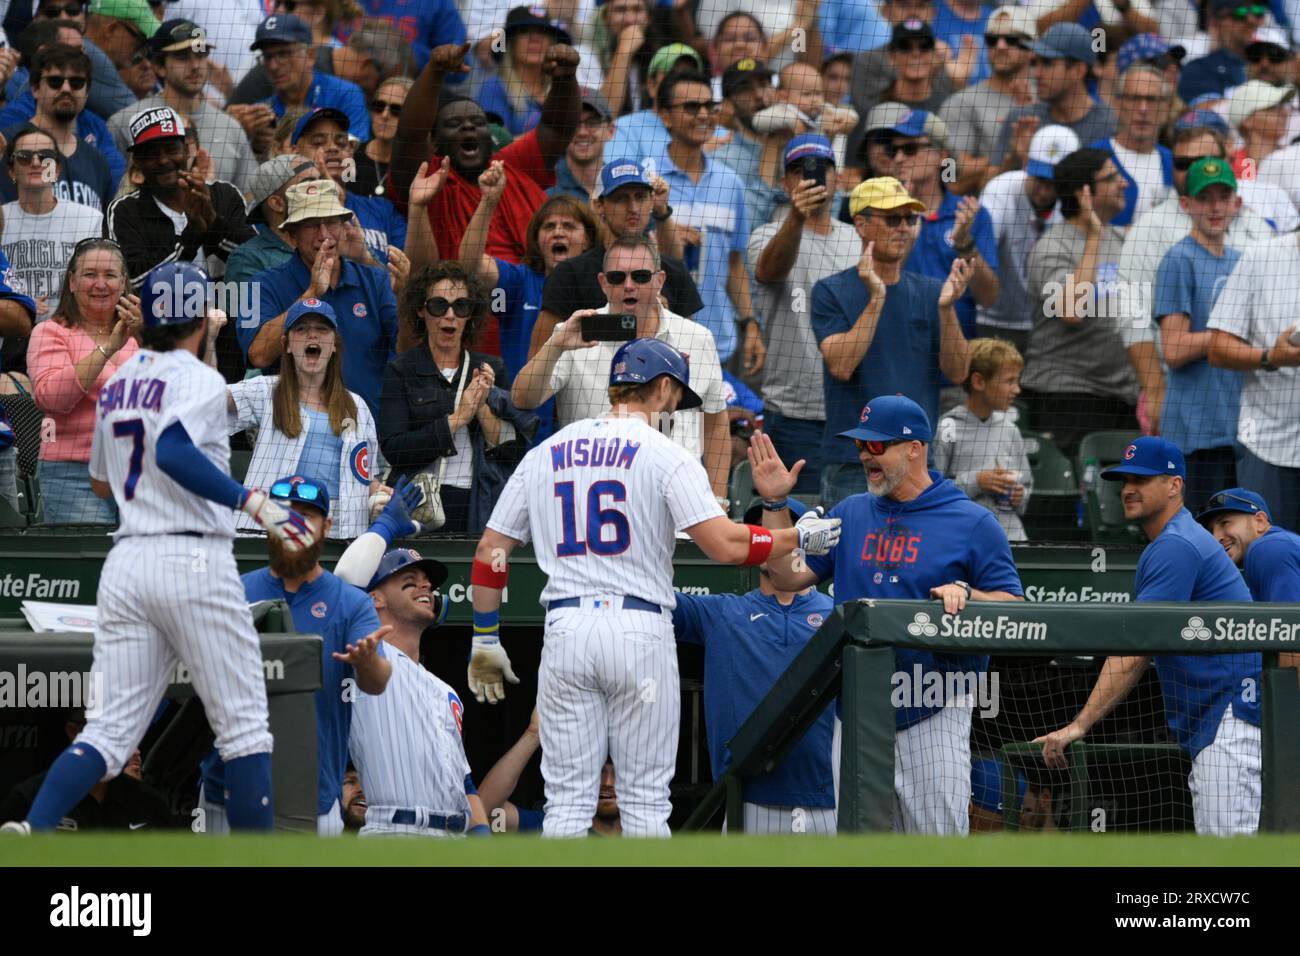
(406, 742)
(142, 399)
(602, 500)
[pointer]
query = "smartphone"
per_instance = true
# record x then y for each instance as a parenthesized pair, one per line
(609, 327)
(815, 169)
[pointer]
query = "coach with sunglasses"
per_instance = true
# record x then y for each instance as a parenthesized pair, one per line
(446, 410)
(881, 329)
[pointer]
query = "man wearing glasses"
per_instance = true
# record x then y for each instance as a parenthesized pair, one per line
(880, 327)
(1214, 75)
(285, 46)
(1147, 167)
(914, 535)
(976, 114)
(108, 93)
(181, 56)
(1062, 60)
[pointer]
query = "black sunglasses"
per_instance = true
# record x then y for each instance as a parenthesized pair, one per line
(1183, 163)
(991, 40)
(297, 491)
(56, 82)
(878, 448)
(437, 306)
(913, 46)
(1273, 54)
(894, 219)
(289, 6)
(639, 276)
(1253, 10)
(24, 156)
(67, 10)
(908, 149)
(383, 106)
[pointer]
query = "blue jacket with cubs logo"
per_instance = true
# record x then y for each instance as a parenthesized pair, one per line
(749, 640)
(902, 549)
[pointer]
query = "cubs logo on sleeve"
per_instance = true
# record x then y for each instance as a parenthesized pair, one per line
(457, 710)
(359, 461)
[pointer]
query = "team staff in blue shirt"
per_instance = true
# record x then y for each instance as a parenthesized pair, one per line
(1211, 700)
(915, 534)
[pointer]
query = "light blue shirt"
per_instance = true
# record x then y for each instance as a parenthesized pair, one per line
(322, 451)
(638, 136)
(715, 206)
(853, 25)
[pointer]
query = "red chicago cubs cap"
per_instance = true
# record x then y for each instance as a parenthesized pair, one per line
(161, 122)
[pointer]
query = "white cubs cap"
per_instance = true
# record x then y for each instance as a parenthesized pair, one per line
(1049, 146)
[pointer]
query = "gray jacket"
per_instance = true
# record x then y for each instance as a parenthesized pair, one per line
(964, 446)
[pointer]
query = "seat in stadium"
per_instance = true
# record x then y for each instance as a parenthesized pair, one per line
(1052, 513)
(1103, 506)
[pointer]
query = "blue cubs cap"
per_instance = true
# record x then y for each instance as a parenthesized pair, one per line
(399, 559)
(808, 144)
(1149, 455)
(644, 360)
(922, 123)
(1143, 47)
(619, 173)
(986, 784)
(889, 417)
(1066, 41)
(1201, 119)
(174, 293)
(300, 488)
(310, 306)
(1234, 499)
(319, 113)
(281, 28)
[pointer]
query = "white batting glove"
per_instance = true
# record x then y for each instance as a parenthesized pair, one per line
(818, 534)
(488, 665)
(279, 521)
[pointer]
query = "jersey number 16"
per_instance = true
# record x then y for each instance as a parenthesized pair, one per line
(598, 519)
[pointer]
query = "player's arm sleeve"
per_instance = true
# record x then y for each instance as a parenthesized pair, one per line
(1167, 570)
(691, 618)
(184, 464)
(992, 567)
(510, 514)
(98, 468)
(686, 488)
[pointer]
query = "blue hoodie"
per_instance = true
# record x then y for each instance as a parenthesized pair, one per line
(902, 549)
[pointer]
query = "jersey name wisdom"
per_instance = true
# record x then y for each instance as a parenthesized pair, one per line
(594, 453)
(146, 394)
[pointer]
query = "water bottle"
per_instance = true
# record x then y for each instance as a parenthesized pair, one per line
(1087, 484)
(1003, 500)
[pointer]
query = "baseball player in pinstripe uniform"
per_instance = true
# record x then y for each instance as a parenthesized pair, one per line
(602, 501)
(406, 743)
(169, 592)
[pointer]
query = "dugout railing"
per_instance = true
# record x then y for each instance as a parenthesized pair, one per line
(852, 655)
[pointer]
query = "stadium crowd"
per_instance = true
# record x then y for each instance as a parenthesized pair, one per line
(1072, 217)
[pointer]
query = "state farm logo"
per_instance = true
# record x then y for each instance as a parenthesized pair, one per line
(921, 625)
(1195, 630)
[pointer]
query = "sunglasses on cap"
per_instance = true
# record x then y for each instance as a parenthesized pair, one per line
(22, 157)
(1225, 500)
(639, 276)
(1274, 55)
(384, 106)
(893, 219)
(298, 491)
(1252, 10)
(1183, 163)
(991, 40)
(463, 307)
(878, 448)
(56, 82)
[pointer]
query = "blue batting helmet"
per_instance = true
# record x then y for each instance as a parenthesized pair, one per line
(400, 559)
(173, 293)
(644, 360)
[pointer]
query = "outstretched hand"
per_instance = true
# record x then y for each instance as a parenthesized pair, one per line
(772, 480)
(363, 651)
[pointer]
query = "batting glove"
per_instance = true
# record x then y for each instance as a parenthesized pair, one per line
(488, 665)
(818, 534)
(395, 520)
(279, 521)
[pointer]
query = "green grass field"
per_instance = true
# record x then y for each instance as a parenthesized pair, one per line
(883, 850)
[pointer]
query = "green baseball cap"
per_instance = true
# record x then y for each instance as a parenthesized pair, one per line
(667, 56)
(1207, 172)
(137, 11)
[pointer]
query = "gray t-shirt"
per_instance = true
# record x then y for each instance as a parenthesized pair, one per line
(975, 117)
(1088, 357)
(1097, 123)
(792, 377)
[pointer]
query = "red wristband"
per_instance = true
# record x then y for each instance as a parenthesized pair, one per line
(482, 573)
(760, 545)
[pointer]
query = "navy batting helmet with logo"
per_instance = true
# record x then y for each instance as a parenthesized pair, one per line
(644, 360)
(174, 292)
(400, 559)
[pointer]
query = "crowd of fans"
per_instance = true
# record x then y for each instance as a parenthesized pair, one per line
(1065, 217)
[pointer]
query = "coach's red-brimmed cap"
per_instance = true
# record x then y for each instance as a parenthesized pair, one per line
(1149, 455)
(161, 122)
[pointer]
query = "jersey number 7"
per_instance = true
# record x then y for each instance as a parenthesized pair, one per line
(132, 428)
(597, 519)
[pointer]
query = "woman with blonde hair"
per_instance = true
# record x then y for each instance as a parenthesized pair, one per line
(69, 358)
(308, 423)
(516, 93)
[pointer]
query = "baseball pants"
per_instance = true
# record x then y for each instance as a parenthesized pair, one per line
(379, 823)
(328, 824)
(608, 685)
(763, 819)
(166, 600)
(1226, 780)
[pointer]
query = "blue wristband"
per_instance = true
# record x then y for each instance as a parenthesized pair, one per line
(776, 505)
(486, 623)
(480, 830)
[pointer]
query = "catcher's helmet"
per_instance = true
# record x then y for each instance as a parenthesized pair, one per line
(643, 360)
(173, 293)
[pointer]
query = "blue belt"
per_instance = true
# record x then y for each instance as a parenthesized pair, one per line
(629, 604)
(456, 824)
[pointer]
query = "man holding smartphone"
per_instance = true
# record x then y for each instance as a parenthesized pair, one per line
(575, 368)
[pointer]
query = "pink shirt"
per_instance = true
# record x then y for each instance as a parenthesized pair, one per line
(52, 355)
